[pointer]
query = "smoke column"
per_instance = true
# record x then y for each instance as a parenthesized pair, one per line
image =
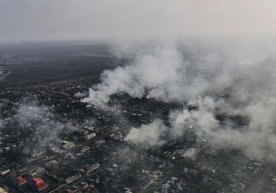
(233, 78)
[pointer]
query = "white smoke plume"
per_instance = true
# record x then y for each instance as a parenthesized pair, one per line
(148, 72)
(147, 134)
(45, 124)
(256, 140)
(222, 77)
(170, 72)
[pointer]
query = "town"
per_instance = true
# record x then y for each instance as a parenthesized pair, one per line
(52, 142)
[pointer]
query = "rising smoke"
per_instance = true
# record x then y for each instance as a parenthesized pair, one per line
(233, 79)
(147, 134)
(46, 126)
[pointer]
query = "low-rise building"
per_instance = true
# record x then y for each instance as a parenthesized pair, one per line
(93, 167)
(20, 180)
(4, 170)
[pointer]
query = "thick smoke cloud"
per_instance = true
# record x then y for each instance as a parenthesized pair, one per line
(257, 139)
(184, 72)
(147, 134)
(152, 71)
(236, 79)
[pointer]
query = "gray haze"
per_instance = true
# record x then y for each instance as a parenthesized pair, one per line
(134, 19)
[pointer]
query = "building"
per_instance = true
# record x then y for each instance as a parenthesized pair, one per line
(71, 179)
(93, 168)
(90, 136)
(100, 142)
(20, 180)
(4, 170)
(38, 184)
(2, 190)
(67, 145)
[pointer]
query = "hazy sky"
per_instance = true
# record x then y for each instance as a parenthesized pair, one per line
(105, 19)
